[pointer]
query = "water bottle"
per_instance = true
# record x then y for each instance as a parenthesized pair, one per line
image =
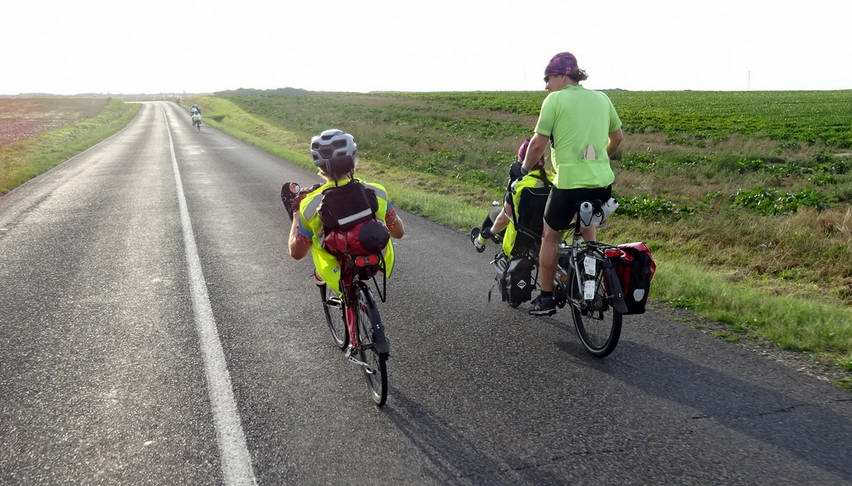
(586, 214)
(609, 207)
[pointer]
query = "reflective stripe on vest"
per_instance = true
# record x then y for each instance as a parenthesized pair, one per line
(354, 217)
(313, 205)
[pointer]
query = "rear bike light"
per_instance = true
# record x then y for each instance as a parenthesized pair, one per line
(366, 261)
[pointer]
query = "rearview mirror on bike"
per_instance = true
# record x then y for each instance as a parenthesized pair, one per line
(290, 192)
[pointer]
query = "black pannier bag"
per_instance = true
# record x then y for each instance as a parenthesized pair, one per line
(635, 267)
(518, 282)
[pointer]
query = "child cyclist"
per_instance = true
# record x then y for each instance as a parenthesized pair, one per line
(500, 223)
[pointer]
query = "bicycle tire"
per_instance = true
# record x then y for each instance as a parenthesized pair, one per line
(337, 327)
(377, 380)
(598, 336)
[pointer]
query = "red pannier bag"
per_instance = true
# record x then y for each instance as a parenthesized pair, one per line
(634, 264)
(365, 238)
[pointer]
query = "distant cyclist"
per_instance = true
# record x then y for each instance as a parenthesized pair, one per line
(195, 110)
(583, 130)
(322, 219)
(508, 215)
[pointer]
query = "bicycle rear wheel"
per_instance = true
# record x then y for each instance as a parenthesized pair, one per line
(335, 317)
(598, 324)
(371, 335)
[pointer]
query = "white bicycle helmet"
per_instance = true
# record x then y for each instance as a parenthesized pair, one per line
(334, 152)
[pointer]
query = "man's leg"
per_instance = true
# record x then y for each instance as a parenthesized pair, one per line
(547, 257)
(544, 304)
(502, 219)
(589, 233)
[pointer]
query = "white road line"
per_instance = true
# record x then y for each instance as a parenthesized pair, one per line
(235, 457)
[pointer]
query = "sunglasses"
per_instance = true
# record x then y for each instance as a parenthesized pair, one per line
(547, 79)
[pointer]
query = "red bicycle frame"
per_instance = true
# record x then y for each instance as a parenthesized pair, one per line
(349, 266)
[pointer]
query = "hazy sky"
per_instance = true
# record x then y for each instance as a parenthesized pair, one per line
(360, 45)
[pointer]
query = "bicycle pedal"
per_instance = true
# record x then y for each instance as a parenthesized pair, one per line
(333, 302)
(353, 360)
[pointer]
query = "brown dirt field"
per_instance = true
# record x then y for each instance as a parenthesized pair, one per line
(23, 118)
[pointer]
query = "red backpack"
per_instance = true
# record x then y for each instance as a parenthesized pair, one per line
(635, 267)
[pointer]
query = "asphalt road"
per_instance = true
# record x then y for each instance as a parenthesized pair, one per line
(135, 350)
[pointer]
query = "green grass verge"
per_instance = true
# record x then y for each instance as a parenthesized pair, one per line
(796, 323)
(791, 322)
(24, 160)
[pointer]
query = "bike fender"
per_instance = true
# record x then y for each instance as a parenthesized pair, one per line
(381, 342)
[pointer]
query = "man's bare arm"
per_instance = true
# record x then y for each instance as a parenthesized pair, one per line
(535, 151)
(615, 139)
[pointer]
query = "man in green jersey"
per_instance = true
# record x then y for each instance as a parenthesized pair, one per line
(583, 130)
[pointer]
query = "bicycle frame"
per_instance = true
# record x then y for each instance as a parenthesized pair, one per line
(350, 283)
(577, 247)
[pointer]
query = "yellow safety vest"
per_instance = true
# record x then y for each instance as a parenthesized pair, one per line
(529, 181)
(327, 265)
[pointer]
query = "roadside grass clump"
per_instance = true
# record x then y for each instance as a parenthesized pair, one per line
(822, 170)
(650, 207)
(643, 162)
(774, 202)
(28, 158)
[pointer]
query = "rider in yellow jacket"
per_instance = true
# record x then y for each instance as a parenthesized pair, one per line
(335, 154)
(507, 216)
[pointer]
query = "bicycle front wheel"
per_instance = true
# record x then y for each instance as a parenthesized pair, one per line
(335, 317)
(598, 324)
(373, 349)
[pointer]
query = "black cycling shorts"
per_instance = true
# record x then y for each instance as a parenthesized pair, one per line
(562, 204)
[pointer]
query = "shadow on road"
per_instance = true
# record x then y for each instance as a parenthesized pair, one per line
(455, 459)
(810, 431)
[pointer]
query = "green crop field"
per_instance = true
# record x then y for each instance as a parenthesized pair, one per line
(792, 118)
(753, 190)
(39, 133)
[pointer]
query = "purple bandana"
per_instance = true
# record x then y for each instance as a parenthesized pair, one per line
(561, 64)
